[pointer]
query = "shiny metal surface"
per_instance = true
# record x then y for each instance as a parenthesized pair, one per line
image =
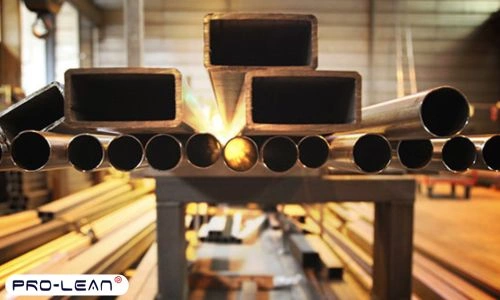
(367, 153)
(439, 112)
(36, 151)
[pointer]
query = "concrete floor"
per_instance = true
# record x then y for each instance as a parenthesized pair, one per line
(463, 235)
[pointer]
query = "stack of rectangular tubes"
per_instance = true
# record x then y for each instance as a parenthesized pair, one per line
(285, 114)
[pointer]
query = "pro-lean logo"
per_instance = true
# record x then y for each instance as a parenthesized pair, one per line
(66, 285)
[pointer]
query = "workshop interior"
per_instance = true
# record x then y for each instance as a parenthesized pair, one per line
(250, 150)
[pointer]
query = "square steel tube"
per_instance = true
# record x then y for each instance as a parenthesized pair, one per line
(300, 102)
(124, 99)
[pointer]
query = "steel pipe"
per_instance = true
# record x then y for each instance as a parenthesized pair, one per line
(6, 163)
(109, 98)
(367, 153)
(235, 43)
(163, 152)
(279, 153)
(456, 154)
(439, 112)
(313, 151)
(36, 112)
(35, 151)
(87, 152)
(309, 102)
(203, 150)
(125, 153)
(489, 148)
(412, 154)
(241, 154)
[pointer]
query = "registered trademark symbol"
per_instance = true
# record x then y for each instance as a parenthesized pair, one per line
(118, 279)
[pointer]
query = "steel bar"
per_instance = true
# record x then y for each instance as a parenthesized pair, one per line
(143, 274)
(87, 152)
(39, 255)
(279, 153)
(14, 245)
(36, 150)
(203, 150)
(368, 153)
(101, 206)
(86, 209)
(489, 148)
(106, 224)
(125, 153)
(108, 98)
(60, 206)
(300, 102)
(412, 154)
(235, 43)
(92, 258)
(241, 154)
(18, 221)
(163, 152)
(456, 154)
(439, 112)
(36, 112)
(313, 151)
(331, 266)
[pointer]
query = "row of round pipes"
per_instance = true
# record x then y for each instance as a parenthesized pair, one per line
(365, 153)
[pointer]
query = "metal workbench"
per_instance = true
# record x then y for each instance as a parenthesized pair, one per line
(393, 225)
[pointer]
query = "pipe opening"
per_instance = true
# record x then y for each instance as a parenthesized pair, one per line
(444, 112)
(372, 153)
(415, 154)
(125, 153)
(313, 151)
(115, 97)
(260, 42)
(39, 111)
(279, 154)
(30, 151)
(303, 100)
(240, 154)
(163, 152)
(491, 150)
(203, 150)
(85, 152)
(458, 154)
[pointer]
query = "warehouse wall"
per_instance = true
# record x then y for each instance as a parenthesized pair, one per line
(452, 41)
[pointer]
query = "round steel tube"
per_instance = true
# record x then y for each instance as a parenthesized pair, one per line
(125, 153)
(6, 162)
(367, 153)
(414, 154)
(456, 154)
(87, 152)
(279, 153)
(163, 152)
(439, 112)
(35, 151)
(203, 150)
(489, 148)
(313, 151)
(240, 154)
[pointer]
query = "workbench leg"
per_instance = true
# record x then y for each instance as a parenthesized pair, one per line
(172, 265)
(392, 251)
